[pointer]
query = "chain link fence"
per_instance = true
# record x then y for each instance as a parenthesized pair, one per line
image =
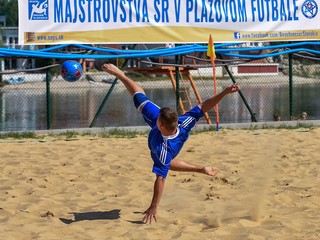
(32, 99)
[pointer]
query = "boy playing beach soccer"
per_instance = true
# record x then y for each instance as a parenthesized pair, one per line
(168, 134)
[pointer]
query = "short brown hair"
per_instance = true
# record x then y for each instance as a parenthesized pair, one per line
(168, 118)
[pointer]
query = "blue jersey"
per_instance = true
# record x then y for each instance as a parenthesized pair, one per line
(165, 148)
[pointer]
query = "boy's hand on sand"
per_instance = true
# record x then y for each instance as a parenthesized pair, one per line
(211, 171)
(150, 214)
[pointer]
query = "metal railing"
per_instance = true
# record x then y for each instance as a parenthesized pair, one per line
(35, 99)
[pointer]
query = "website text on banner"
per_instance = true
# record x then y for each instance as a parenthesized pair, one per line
(162, 21)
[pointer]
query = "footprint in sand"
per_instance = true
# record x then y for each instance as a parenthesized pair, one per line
(248, 223)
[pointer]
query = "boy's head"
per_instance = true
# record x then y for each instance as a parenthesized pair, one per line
(168, 119)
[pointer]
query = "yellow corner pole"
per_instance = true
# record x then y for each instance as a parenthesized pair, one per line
(212, 55)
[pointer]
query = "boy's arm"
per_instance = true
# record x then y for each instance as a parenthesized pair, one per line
(211, 102)
(151, 212)
(131, 86)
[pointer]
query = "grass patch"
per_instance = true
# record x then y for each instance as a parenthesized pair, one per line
(69, 134)
(19, 135)
(289, 127)
(282, 126)
(119, 133)
(208, 129)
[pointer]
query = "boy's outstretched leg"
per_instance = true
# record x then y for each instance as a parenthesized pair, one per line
(181, 166)
(131, 86)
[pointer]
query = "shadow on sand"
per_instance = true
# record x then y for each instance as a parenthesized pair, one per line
(106, 215)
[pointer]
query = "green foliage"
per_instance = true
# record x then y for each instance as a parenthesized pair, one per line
(9, 8)
(1, 82)
(285, 126)
(55, 71)
(316, 73)
(18, 135)
(120, 62)
(304, 72)
(207, 129)
(306, 62)
(118, 133)
(69, 134)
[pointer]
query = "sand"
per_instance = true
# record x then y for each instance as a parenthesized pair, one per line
(90, 187)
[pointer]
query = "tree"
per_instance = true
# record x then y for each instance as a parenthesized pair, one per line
(9, 8)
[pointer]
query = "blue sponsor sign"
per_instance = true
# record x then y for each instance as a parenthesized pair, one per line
(309, 9)
(236, 35)
(38, 9)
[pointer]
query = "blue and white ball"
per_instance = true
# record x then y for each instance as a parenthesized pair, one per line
(71, 70)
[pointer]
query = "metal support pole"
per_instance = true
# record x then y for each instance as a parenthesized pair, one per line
(48, 98)
(104, 101)
(253, 117)
(290, 86)
(177, 77)
(108, 94)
